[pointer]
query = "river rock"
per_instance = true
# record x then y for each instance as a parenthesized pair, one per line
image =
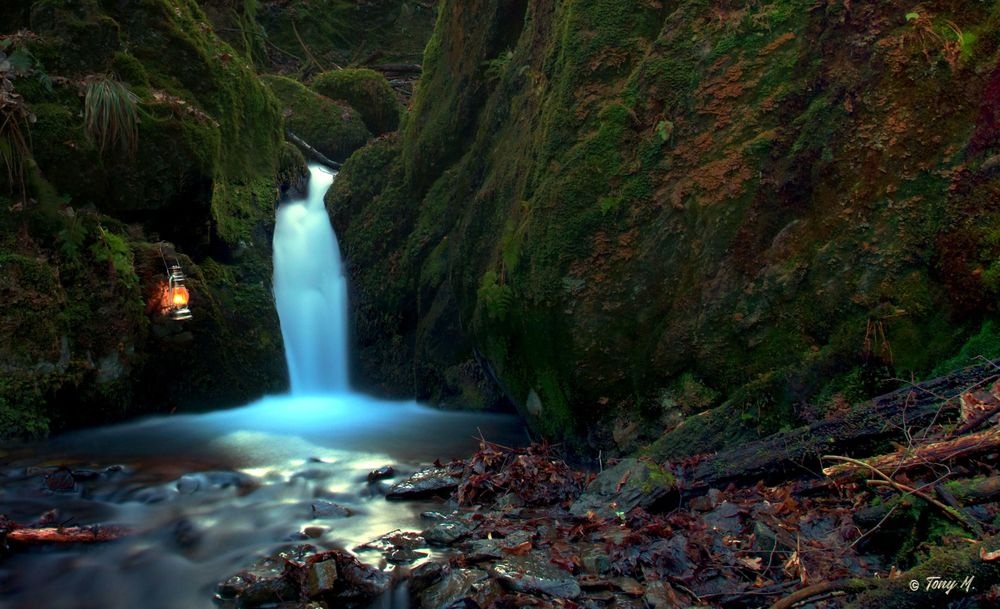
(534, 574)
(60, 480)
(386, 471)
(453, 588)
(425, 483)
(322, 508)
(426, 575)
(447, 532)
(478, 550)
(622, 488)
(321, 578)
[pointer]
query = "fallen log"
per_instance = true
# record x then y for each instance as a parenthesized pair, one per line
(935, 452)
(862, 431)
(975, 491)
(970, 571)
(64, 535)
(316, 154)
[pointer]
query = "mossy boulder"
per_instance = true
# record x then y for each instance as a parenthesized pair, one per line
(367, 91)
(332, 127)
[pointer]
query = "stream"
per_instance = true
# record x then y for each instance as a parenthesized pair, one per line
(204, 494)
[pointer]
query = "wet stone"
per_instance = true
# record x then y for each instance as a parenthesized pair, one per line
(399, 556)
(425, 483)
(235, 585)
(386, 471)
(61, 480)
(628, 586)
(433, 516)
(534, 574)
(478, 550)
(453, 588)
(188, 485)
(446, 533)
(670, 556)
(321, 578)
(266, 592)
(328, 509)
(425, 575)
(596, 561)
(626, 486)
(726, 518)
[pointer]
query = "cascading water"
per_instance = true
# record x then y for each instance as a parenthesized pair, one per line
(311, 292)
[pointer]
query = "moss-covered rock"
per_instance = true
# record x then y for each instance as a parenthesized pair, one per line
(366, 90)
(82, 237)
(602, 197)
(332, 127)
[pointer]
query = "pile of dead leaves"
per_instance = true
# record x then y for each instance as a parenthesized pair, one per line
(531, 474)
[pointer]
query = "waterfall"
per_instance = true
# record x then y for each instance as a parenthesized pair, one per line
(310, 292)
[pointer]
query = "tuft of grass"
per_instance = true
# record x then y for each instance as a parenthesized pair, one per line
(111, 115)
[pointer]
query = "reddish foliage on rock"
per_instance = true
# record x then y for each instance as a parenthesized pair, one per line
(532, 474)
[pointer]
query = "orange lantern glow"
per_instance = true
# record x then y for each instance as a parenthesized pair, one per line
(180, 296)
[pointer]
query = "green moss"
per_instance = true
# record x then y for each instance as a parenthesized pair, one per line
(983, 344)
(239, 208)
(22, 411)
(333, 128)
(365, 90)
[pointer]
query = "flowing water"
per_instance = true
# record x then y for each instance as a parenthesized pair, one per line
(204, 494)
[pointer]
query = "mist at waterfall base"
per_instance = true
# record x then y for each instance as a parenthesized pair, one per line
(204, 494)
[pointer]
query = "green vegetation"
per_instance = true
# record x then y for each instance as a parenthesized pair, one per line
(367, 91)
(110, 116)
(333, 128)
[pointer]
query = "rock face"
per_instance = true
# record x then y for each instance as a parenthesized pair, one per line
(587, 207)
(81, 340)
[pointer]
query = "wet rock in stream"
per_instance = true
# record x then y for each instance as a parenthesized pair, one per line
(427, 482)
(301, 574)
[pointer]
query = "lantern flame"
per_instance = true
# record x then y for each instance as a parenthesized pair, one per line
(180, 296)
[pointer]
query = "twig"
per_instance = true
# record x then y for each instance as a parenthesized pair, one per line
(951, 513)
(266, 40)
(305, 48)
(849, 585)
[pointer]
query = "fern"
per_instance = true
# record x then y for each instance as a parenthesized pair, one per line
(497, 299)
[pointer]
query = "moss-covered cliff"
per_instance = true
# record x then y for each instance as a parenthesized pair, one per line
(633, 210)
(183, 149)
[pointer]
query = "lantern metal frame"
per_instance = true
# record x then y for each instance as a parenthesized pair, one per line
(175, 282)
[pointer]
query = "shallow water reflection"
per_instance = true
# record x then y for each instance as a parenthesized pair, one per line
(205, 493)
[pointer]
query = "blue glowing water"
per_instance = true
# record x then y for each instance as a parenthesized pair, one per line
(310, 292)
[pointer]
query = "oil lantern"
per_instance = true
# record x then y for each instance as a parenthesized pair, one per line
(179, 295)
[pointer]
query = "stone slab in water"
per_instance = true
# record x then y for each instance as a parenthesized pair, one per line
(425, 483)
